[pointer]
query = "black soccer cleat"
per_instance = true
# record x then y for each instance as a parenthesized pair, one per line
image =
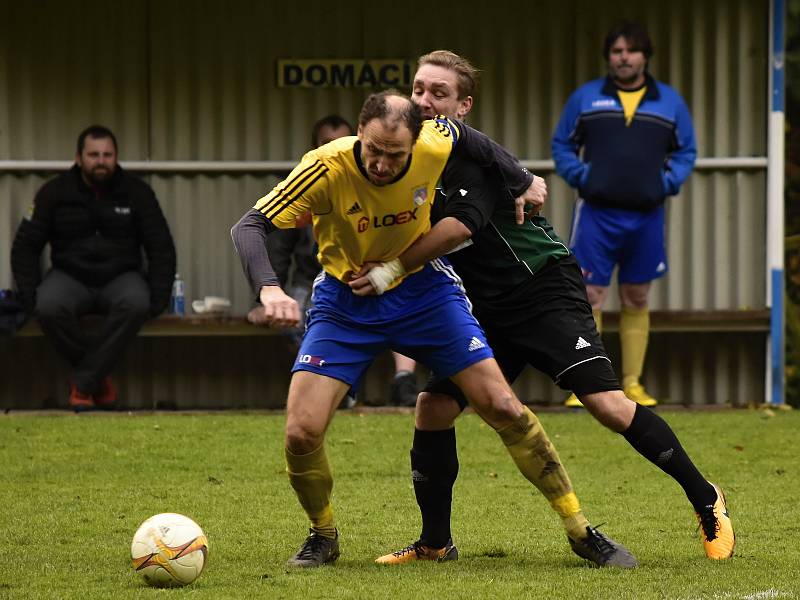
(316, 551)
(600, 549)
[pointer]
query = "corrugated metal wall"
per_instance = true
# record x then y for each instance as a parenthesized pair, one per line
(196, 80)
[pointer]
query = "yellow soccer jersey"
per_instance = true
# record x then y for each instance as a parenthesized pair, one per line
(354, 220)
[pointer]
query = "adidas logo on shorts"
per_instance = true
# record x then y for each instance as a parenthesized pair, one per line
(475, 344)
(582, 343)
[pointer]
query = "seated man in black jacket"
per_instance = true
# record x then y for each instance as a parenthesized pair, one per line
(97, 219)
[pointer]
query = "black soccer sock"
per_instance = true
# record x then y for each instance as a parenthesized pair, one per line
(434, 468)
(655, 440)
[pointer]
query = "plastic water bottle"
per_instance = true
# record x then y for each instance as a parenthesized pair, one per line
(178, 298)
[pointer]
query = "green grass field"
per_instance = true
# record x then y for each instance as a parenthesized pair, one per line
(73, 489)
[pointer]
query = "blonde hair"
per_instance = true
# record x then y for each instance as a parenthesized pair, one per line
(466, 73)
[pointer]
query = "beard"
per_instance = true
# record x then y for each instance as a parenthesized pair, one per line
(98, 175)
(625, 76)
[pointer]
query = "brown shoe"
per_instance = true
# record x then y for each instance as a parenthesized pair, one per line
(107, 395)
(78, 401)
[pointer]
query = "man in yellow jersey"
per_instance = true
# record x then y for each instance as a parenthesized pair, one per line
(638, 147)
(370, 197)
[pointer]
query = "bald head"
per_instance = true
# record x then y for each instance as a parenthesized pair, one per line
(388, 128)
(394, 110)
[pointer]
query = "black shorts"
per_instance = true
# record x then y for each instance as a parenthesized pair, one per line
(547, 324)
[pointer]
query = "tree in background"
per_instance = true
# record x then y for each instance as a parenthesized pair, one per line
(793, 202)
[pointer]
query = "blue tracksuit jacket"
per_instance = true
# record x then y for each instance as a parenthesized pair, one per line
(633, 167)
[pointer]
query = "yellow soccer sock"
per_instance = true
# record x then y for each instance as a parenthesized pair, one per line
(537, 459)
(598, 319)
(312, 480)
(569, 509)
(634, 329)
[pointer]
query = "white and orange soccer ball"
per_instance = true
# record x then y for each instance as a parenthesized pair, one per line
(169, 550)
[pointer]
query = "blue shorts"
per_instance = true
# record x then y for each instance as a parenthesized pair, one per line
(603, 237)
(427, 317)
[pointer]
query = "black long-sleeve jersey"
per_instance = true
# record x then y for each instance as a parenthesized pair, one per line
(499, 263)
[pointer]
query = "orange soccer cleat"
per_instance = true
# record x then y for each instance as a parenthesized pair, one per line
(417, 551)
(716, 528)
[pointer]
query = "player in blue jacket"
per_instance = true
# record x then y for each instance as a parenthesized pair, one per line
(625, 142)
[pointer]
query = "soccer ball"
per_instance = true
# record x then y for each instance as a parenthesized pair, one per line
(169, 550)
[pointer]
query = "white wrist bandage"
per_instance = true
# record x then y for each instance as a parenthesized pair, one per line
(382, 277)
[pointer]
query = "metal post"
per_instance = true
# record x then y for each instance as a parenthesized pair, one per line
(775, 379)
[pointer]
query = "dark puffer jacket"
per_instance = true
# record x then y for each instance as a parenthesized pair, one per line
(95, 239)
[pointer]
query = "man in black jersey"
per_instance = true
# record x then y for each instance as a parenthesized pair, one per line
(528, 295)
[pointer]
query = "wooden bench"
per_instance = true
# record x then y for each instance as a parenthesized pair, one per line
(172, 326)
(660, 320)
(207, 362)
(699, 320)
(196, 362)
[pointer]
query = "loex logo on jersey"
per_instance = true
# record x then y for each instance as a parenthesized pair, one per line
(308, 359)
(389, 220)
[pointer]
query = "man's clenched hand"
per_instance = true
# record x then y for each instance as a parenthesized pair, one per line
(532, 200)
(276, 310)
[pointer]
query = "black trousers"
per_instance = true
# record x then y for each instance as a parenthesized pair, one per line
(60, 302)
